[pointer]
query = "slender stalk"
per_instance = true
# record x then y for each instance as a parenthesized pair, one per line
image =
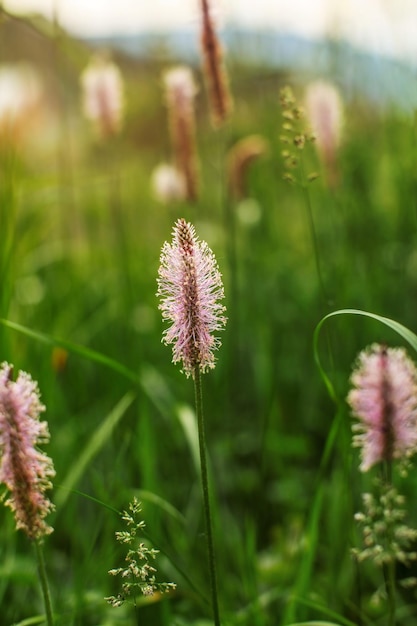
(206, 495)
(306, 195)
(44, 582)
(389, 578)
(324, 297)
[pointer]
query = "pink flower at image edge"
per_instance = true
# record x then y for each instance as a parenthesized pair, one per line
(24, 469)
(384, 401)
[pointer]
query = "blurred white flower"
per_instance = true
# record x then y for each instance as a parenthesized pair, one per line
(167, 183)
(180, 85)
(20, 95)
(103, 97)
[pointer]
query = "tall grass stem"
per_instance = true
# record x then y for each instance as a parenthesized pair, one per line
(312, 228)
(44, 582)
(206, 494)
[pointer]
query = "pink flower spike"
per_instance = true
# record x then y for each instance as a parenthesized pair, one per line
(324, 107)
(24, 469)
(103, 95)
(384, 399)
(190, 287)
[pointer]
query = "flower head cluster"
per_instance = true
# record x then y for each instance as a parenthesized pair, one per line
(384, 400)
(190, 287)
(386, 537)
(295, 135)
(180, 94)
(103, 95)
(139, 574)
(24, 470)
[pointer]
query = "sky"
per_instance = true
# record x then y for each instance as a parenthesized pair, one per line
(383, 26)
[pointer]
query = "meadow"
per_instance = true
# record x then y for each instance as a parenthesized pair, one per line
(81, 236)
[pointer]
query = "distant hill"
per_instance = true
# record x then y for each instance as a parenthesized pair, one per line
(383, 80)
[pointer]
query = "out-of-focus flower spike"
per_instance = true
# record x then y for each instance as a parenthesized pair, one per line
(215, 74)
(103, 95)
(241, 155)
(21, 99)
(180, 94)
(384, 401)
(324, 109)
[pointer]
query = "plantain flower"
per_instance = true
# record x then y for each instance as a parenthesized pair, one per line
(325, 113)
(24, 469)
(190, 287)
(221, 104)
(384, 400)
(21, 95)
(180, 95)
(103, 95)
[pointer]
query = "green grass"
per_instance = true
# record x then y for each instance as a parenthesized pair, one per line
(81, 235)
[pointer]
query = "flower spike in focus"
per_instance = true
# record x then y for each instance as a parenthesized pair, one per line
(190, 287)
(24, 469)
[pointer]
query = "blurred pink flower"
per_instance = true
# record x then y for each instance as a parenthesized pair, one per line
(103, 95)
(180, 91)
(384, 399)
(324, 110)
(214, 69)
(190, 287)
(24, 469)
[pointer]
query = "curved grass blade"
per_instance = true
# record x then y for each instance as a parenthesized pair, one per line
(403, 331)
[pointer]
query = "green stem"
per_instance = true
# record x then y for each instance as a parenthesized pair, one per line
(324, 297)
(44, 582)
(389, 576)
(206, 496)
(304, 187)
